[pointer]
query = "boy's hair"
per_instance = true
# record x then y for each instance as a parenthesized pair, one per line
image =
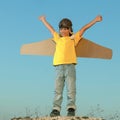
(66, 23)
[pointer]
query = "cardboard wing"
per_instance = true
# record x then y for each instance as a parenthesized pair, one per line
(85, 48)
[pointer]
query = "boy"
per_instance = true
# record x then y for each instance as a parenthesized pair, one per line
(65, 60)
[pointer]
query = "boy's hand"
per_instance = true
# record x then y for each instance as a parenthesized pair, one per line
(98, 18)
(42, 18)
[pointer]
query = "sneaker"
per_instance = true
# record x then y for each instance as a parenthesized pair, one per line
(54, 113)
(71, 112)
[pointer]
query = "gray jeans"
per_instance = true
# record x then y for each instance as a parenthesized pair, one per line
(65, 74)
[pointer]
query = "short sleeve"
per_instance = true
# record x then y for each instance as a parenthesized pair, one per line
(56, 37)
(77, 38)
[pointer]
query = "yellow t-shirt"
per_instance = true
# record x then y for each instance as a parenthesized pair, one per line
(65, 49)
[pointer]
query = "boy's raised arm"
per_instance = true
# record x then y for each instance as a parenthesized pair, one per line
(84, 28)
(49, 27)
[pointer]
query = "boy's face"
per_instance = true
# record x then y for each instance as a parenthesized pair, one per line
(64, 32)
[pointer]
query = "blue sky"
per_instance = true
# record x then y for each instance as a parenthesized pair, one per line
(27, 82)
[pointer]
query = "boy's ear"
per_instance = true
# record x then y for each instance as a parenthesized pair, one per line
(70, 30)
